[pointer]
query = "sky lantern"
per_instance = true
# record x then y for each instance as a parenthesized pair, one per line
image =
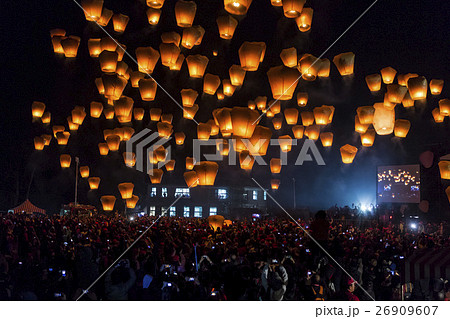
(46, 118)
(39, 143)
(147, 88)
(188, 97)
(324, 68)
(406, 77)
(169, 54)
(94, 47)
(128, 132)
(206, 172)
(407, 100)
(251, 54)
(261, 102)
(345, 63)
(216, 222)
(359, 127)
(190, 162)
(348, 153)
(164, 129)
(109, 113)
(228, 88)
(302, 99)
(103, 149)
(108, 202)
(113, 142)
(368, 138)
(57, 35)
(388, 104)
(113, 85)
(444, 107)
(260, 140)
(191, 36)
(190, 111)
(167, 118)
(153, 16)
(285, 142)
(170, 165)
(105, 17)
(293, 8)
(185, 13)
(297, 130)
(62, 138)
(65, 160)
(47, 138)
(388, 75)
(322, 115)
(57, 128)
(147, 57)
(417, 87)
(246, 160)
(237, 7)
(126, 190)
(78, 115)
(396, 93)
(312, 132)
(119, 132)
(107, 133)
(108, 44)
(275, 106)
(436, 86)
(155, 175)
(157, 4)
(132, 202)
(275, 183)
(222, 117)
(92, 9)
(211, 83)
(123, 106)
(96, 109)
(438, 117)
(326, 138)
(283, 81)
(37, 109)
(129, 158)
(171, 37)
(239, 145)
(197, 65)
(401, 128)
(100, 86)
(135, 77)
(72, 126)
(237, 75)
(223, 147)
(191, 179)
(214, 127)
(138, 113)
(177, 66)
(373, 82)
(275, 165)
(226, 25)
(123, 119)
(383, 119)
(365, 114)
(203, 131)
(444, 169)
(289, 57)
(120, 22)
(70, 46)
(304, 21)
(291, 115)
(244, 121)
(276, 3)
(307, 118)
(308, 65)
(84, 171)
(94, 182)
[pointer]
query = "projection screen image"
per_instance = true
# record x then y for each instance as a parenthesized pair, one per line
(398, 184)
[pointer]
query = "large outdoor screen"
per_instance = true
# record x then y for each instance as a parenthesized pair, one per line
(398, 184)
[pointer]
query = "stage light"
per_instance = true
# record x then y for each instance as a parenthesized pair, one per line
(413, 226)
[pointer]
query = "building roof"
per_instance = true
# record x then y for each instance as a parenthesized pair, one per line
(27, 207)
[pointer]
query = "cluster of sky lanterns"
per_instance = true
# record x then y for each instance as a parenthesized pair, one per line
(237, 122)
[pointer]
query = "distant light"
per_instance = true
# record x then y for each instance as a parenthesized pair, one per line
(413, 225)
(131, 218)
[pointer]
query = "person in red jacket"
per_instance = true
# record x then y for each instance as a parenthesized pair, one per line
(351, 286)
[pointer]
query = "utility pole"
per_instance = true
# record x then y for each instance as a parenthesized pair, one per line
(77, 162)
(293, 188)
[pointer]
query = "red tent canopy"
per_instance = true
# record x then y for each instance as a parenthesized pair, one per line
(27, 207)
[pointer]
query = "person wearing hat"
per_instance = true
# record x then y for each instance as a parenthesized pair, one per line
(351, 286)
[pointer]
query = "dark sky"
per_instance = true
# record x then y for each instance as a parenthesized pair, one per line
(411, 36)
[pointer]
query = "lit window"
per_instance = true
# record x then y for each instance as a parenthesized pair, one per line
(182, 192)
(221, 193)
(173, 211)
(212, 211)
(152, 211)
(164, 192)
(198, 211)
(255, 195)
(186, 211)
(245, 196)
(163, 211)
(265, 195)
(153, 193)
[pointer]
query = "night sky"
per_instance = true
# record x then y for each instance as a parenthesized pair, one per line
(410, 36)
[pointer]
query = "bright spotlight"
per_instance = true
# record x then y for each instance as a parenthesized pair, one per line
(413, 225)
(131, 218)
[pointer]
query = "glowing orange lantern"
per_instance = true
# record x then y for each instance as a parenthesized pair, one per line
(444, 169)
(103, 148)
(206, 172)
(123, 106)
(157, 4)
(383, 119)
(164, 129)
(156, 175)
(304, 21)
(147, 58)
(373, 82)
(211, 83)
(289, 57)
(39, 143)
(147, 88)
(105, 17)
(185, 13)
(246, 160)
(275, 165)
(120, 22)
(203, 131)
(178, 64)
(368, 138)
(153, 16)
(326, 138)
(108, 202)
(444, 107)
(436, 86)
(126, 190)
(274, 183)
(92, 9)
(283, 82)
(388, 75)
(171, 37)
(407, 100)
(191, 179)
(227, 25)
(251, 54)
(191, 36)
(260, 140)
(188, 97)
(132, 202)
(65, 160)
(401, 128)
(308, 65)
(348, 153)
(47, 138)
(138, 113)
(169, 54)
(291, 115)
(365, 114)
(312, 132)
(344, 63)
(94, 47)
(190, 111)
(96, 109)
(307, 118)
(244, 121)
(167, 118)
(129, 159)
(70, 46)
(438, 117)
(396, 93)
(293, 8)
(113, 86)
(197, 65)
(418, 87)
(359, 127)
(37, 109)
(298, 131)
(285, 142)
(228, 88)
(84, 171)
(46, 118)
(62, 138)
(237, 7)
(237, 75)
(302, 99)
(94, 182)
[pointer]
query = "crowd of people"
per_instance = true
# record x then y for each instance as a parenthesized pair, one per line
(60, 257)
